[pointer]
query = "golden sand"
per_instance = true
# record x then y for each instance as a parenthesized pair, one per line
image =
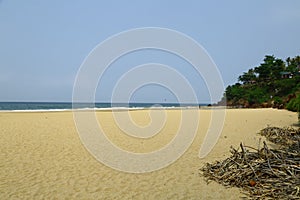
(42, 156)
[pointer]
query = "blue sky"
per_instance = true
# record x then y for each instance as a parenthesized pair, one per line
(43, 43)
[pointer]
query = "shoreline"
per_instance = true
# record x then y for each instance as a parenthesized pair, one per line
(98, 109)
(132, 109)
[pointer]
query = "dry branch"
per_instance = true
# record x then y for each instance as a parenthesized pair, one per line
(262, 173)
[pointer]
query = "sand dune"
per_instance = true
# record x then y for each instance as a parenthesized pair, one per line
(42, 156)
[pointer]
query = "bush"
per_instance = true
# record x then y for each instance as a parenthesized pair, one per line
(285, 87)
(257, 95)
(277, 100)
(294, 104)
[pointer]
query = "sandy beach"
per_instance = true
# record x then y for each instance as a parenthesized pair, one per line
(42, 156)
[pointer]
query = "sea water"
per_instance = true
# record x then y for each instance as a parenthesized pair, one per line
(62, 106)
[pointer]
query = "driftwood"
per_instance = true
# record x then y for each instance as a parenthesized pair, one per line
(281, 136)
(262, 173)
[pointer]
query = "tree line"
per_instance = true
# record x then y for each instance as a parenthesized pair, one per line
(274, 83)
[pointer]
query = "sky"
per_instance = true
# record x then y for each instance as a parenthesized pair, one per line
(44, 43)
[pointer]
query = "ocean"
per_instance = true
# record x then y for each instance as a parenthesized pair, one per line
(61, 106)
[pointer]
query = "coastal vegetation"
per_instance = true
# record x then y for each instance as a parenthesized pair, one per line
(274, 83)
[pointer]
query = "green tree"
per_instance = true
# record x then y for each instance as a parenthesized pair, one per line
(293, 64)
(276, 69)
(264, 70)
(247, 77)
(270, 69)
(269, 87)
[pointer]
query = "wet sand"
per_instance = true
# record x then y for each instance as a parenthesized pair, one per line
(42, 156)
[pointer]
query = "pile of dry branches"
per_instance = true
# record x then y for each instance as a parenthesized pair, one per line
(281, 136)
(263, 173)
